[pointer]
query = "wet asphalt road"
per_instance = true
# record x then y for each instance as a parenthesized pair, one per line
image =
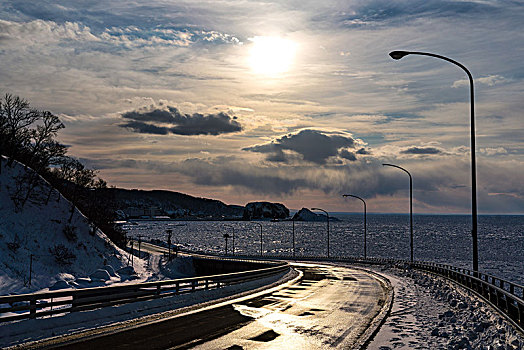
(330, 307)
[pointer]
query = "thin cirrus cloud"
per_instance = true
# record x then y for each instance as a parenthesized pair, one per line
(379, 13)
(170, 121)
(314, 146)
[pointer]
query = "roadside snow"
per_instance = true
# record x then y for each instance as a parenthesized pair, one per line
(430, 312)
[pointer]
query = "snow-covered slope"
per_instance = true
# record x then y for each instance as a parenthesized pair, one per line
(60, 249)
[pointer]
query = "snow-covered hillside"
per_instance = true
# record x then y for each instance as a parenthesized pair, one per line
(62, 249)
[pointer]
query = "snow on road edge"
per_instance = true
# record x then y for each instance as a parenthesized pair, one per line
(432, 312)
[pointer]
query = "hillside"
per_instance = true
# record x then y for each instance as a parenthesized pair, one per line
(59, 240)
(175, 204)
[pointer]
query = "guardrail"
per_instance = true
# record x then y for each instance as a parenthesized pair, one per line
(59, 302)
(506, 296)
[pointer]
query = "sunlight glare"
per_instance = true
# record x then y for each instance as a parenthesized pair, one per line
(271, 55)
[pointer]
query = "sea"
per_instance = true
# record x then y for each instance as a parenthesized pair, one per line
(437, 238)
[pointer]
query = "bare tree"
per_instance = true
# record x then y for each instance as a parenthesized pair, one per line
(42, 146)
(29, 136)
(15, 118)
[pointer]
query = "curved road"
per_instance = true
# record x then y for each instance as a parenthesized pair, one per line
(329, 307)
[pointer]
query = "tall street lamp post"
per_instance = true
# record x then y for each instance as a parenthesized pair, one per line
(327, 228)
(259, 224)
(169, 233)
(233, 245)
(365, 223)
(398, 55)
(293, 219)
(226, 236)
(410, 206)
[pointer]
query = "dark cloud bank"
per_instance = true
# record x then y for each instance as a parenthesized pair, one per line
(422, 150)
(171, 121)
(311, 145)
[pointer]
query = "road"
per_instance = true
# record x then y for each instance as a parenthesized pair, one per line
(151, 248)
(330, 306)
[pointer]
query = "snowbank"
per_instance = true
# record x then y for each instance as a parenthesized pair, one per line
(431, 312)
(40, 233)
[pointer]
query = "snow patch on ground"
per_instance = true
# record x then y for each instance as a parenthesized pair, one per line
(430, 312)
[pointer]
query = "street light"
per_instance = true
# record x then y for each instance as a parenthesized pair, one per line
(398, 55)
(233, 245)
(293, 219)
(226, 236)
(365, 224)
(233, 236)
(169, 233)
(259, 224)
(410, 206)
(327, 228)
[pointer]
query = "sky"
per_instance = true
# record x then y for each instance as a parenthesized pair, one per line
(291, 101)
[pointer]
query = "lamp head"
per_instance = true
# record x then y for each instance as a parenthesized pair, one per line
(397, 55)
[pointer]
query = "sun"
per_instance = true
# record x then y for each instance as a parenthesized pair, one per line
(271, 55)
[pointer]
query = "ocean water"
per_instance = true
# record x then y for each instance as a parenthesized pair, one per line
(438, 238)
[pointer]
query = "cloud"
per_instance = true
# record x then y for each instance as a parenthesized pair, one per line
(378, 13)
(137, 37)
(312, 145)
(363, 151)
(90, 61)
(166, 120)
(491, 151)
(40, 30)
(422, 150)
(227, 171)
(344, 153)
(133, 36)
(145, 128)
(128, 37)
(490, 80)
(438, 183)
(220, 37)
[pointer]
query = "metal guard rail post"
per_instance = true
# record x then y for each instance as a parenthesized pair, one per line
(44, 304)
